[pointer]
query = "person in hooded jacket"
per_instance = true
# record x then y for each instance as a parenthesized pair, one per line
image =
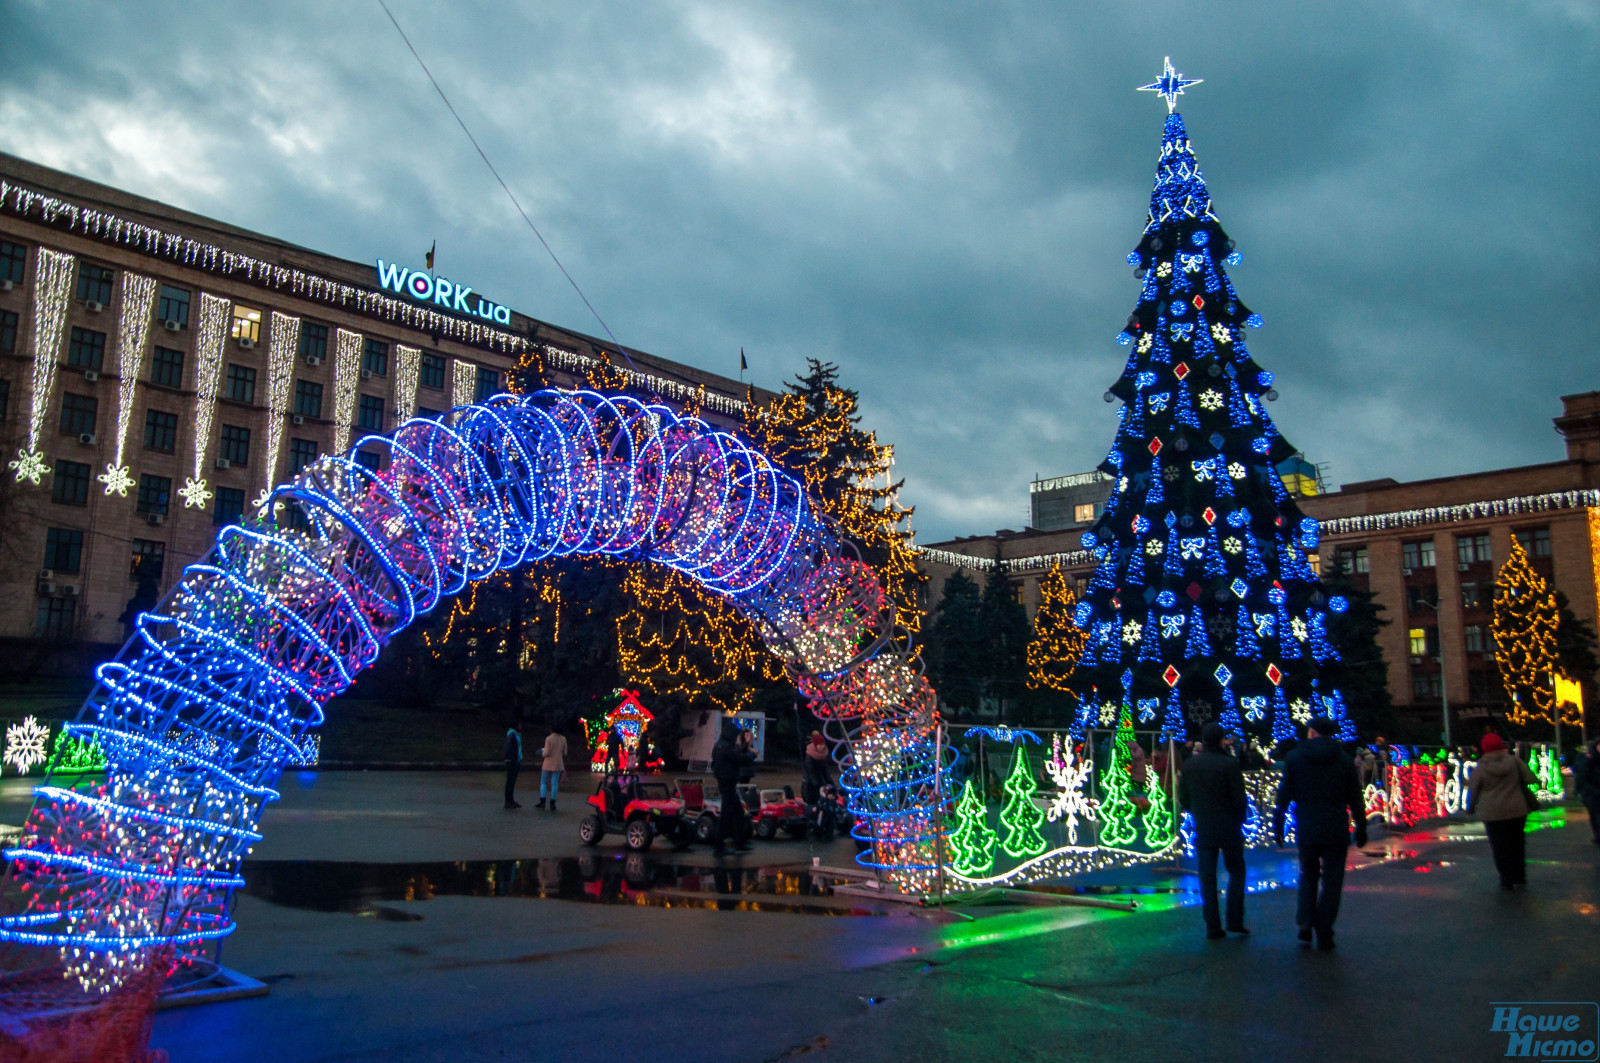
(817, 771)
(1212, 789)
(1321, 781)
(1586, 778)
(1500, 797)
(732, 760)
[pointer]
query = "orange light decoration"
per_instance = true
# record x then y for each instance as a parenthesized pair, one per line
(1057, 642)
(1524, 628)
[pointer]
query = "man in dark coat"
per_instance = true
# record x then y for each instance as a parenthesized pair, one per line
(1212, 789)
(513, 762)
(1586, 774)
(1322, 783)
(732, 760)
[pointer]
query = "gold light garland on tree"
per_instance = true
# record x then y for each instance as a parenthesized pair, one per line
(1524, 629)
(1057, 642)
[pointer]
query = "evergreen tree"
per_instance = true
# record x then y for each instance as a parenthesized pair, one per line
(1005, 640)
(956, 649)
(1116, 782)
(1203, 602)
(1360, 671)
(1524, 628)
(1019, 815)
(1575, 643)
(1054, 650)
(971, 842)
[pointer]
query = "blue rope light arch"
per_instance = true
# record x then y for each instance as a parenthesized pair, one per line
(216, 691)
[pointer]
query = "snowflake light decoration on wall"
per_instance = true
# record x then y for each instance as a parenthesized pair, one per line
(30, 466)
(25, 744)
(117, 479)
(194, 494)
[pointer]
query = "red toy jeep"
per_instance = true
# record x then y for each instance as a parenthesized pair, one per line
(638, 811)
(779, 810)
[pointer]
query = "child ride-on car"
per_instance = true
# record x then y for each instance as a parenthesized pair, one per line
(779, 810)
(638, 811)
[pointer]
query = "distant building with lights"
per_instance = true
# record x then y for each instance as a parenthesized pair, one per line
(145, 350)
(1428, 549)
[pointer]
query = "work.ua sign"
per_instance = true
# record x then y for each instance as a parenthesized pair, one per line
(425, 288)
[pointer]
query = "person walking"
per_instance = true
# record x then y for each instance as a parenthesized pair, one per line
(1586, 778)
(1501, 797)
(817, 770)
(1212, 789)
(1321, 781)
(732, 759)
(513, 762)
(552, 766)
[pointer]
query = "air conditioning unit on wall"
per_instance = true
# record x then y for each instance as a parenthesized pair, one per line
(247, 344)
(172, 325)
(94, 306)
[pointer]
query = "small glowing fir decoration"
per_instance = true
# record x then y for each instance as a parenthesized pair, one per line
(25, 744)
(1117, 810)
(1019, 816)
(970, 842)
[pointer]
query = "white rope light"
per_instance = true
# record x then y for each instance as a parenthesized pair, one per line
(407, 366)
(346, 377)
(283, 339)
(464, 377)
(53, 287)
(213, 337)
(133, 329)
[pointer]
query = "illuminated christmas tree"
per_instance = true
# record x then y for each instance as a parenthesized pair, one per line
(1159, 828)
(1116, 807)
(1524, 628)
(1203, 604)
(1057, 643)
(971, 842)
(1019, 815)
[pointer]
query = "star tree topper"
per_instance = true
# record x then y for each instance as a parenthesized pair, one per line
(1170, 84)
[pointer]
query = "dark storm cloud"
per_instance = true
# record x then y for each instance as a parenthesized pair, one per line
(938, 197)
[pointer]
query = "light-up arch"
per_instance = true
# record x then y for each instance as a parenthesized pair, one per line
(201, 710)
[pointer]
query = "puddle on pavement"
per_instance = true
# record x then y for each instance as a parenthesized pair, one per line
(631, 878)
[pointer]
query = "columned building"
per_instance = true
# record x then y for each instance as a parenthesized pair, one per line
(1428, 549)
(160, 370)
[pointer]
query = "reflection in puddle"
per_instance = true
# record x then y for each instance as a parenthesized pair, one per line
(632, 878)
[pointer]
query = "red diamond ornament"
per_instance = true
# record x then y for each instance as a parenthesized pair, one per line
(1155, 445)
(1199, 303)
(1194, 592)
(1171, 676)
(1274, 675)
(1180, 370)
(1210, 515)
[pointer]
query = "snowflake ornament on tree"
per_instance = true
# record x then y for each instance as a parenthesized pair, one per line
(25, 744)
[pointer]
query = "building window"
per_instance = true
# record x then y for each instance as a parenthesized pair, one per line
(78, 414)
(1535, 541)
(174, 305)
(149, 559)
(13, 261)
(229, 507)
(160, 431)
(63, 549)
(5, 398)
(166, 368)
(1473, 548)
(1427, 687)
(71, 486)
(488, 383)
(423, 411)
(8, 332)
(307, 398)
(1419, 641)
(1083, 514)
(1472, 635)
(302, 452)
(87, 350)
(56, 617)
(155, 493)
(1353, 561)
(369, 459)
(375, 358)
(235, 445)
(371, 416)
(1425, 596)
(313, 340)
(94, 283)
(246, 324)
(1474, 596)
(1417, 555)
(431, 372)
(241, 383)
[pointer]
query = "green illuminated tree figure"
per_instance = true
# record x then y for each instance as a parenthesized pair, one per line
(1019, 815)
(1116, 809)
(1159, 829)
(972, 842)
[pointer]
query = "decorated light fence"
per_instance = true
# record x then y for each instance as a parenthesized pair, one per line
(216, 692)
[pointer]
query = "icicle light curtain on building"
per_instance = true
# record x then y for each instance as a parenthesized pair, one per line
(215, 693)
(133, 332)
(1203, 604)
(54, 288)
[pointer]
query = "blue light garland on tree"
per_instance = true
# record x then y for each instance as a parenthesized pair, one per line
(1203, 598)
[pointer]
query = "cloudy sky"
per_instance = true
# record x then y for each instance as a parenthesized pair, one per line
(938, 197)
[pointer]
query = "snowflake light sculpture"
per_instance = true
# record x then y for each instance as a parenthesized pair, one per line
(117, 479)
(194, 494)
(29, 465)
(25, 744)
(1069, 774)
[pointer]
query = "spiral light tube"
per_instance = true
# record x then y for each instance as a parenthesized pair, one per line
(201, 710)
